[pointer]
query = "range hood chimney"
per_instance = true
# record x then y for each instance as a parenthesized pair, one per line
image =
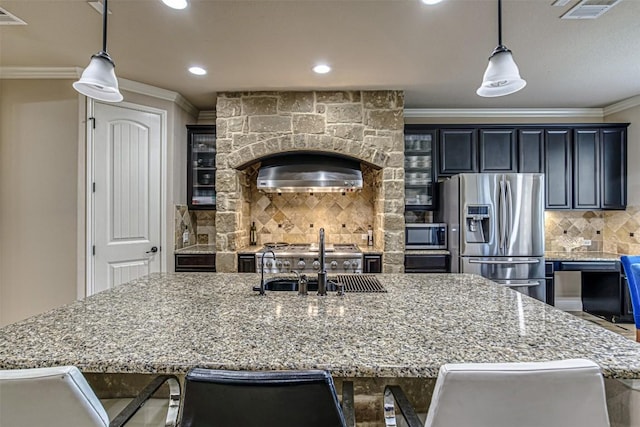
(309, 173)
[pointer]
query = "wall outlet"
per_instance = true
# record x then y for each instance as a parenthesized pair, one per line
(363, 236)
(185, 236)
(586, 242)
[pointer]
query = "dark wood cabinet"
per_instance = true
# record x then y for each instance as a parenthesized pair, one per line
(613, 156)
(457, 151)
(372, 263)
(246, 263)
(424, 263)
(195, 263)
(531, 150)
(497, 150)
(201, 167)
(586, 169)
(549, 278)
(558, 168)
(419, 187)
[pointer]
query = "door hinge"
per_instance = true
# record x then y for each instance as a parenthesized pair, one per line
(93, 122)
(93, 187)
(93, 250)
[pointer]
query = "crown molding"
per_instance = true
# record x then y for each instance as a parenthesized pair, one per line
(75, 72)
(40, 72)
(634, 101)
(207, 116)
(503, 112)
(159, 93)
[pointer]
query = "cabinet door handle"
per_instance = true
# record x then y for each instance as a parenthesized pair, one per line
(153, 250)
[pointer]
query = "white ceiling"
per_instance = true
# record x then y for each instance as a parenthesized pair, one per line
(436, 54)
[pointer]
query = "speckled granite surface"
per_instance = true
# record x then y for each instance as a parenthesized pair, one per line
(197, 249)
(172, 322)
(581, 256)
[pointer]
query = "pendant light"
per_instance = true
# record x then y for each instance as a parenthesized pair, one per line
(99, 80)
(502, 76)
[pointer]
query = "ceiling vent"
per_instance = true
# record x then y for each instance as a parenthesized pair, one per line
(8, 19)
(589, 9)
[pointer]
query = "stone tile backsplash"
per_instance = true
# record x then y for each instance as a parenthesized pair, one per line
(200, 224)
(609, 231)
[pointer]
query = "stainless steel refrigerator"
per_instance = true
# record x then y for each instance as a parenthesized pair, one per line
(496, 227)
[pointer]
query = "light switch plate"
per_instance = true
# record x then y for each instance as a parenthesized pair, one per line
(363, 236)
(586, 242)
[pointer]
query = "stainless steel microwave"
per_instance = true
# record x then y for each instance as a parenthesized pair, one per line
(425, 236)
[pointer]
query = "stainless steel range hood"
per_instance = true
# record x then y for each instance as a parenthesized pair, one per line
(309, 173)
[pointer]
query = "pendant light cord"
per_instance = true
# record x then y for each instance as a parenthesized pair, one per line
(499, 22)
(105, 12)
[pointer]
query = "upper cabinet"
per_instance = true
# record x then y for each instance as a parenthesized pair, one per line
(418, 166)
(586, 167)
(584, 164)
(498, 150)
(613, 163)
(457, 150)
(558, 168)
(201, 167)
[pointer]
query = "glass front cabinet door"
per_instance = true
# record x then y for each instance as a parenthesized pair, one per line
(418, 169)
(201, 169)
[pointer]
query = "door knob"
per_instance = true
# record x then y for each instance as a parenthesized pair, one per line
(153, 250)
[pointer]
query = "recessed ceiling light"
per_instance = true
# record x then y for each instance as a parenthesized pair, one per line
(175, 4)
(322, 69)
(198, 71)
(430, 2)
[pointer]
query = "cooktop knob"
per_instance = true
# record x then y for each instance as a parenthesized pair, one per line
(279, 264)
(316, 265)
(287, 264)
(346, 265)
(269, 264)
(354, 264)
(301, 264)
(334, 265)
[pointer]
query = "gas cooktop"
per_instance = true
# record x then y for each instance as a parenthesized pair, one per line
(305, 257)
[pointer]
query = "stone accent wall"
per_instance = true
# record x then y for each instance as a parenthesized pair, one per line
(364, 125)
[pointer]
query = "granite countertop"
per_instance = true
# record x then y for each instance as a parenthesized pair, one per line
(197, 249)
(581, 256)
(173, 322)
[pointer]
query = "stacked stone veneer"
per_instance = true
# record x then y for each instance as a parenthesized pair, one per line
(364, 125)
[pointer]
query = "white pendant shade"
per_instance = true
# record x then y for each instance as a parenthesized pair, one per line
(502, 76)
(99, 80)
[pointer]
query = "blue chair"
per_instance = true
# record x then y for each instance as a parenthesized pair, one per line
(631, 265)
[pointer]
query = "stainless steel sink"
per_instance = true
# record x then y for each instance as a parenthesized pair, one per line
(352, 283)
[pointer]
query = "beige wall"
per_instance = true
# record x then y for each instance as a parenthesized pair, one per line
(38, 196)
(42, 192)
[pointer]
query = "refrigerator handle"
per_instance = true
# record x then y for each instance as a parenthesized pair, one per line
(501, 216)
(509, 217)
(495, 261)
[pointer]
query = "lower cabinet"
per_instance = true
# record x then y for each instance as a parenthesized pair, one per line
(246, 263)
(420, 263)
(549, 277)
(372, 263)
(195, 263)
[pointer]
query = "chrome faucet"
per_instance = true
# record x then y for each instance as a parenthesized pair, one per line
(302, 282)
(262, 269)
(322, 274)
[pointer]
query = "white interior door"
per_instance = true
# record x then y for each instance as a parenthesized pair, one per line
(127, 196)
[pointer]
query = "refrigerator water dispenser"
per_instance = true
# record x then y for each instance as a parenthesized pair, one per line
(478, 224)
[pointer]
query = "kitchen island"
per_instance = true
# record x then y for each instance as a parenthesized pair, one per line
(173, 322)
